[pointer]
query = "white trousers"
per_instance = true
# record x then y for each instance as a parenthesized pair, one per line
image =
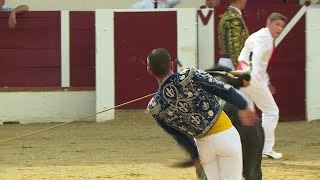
(264, 100)
(221, 155)
(227, 62)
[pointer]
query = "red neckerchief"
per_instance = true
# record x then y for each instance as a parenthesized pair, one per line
(273, 52)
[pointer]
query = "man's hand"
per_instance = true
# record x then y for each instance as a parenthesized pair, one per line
(12, 19)
(248, 117)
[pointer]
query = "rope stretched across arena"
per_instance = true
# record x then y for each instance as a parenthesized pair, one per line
(78, 119)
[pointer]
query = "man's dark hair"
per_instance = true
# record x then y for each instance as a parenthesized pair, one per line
(159, 62)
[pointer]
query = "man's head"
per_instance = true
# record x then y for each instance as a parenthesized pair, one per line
(276, 22)
(2, 2)
(159, 63)
(240, 4)
(212, 3)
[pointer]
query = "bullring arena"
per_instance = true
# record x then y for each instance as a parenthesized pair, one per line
(133, 147)
(66, 61)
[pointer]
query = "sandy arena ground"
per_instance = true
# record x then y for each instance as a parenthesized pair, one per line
(134, 147)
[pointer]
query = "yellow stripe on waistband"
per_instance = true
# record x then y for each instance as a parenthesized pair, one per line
(223, 123)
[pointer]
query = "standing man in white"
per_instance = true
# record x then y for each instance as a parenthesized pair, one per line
(154, 4)
(260, 91)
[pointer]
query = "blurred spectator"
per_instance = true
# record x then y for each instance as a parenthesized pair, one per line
(153, 4)
(14, 11)
(308, 2)
(210, 4)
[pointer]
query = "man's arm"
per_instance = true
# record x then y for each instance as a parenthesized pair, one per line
(12, 18)
(220, 89)
(245, 52)
(188, 144)
(21, 9)
(229, 94)
(183, 140)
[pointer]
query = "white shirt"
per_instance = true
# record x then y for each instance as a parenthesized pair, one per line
(149, 4)
(260, 44)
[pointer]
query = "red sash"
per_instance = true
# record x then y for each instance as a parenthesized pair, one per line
(273, 53)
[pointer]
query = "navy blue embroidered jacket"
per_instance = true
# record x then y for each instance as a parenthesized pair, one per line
(189, 102)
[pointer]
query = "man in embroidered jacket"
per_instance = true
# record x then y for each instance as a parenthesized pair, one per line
(233, 33)
(189, 103)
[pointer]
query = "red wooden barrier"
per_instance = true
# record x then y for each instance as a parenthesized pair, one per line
(82, 48)
(136, 34)
(30, 53)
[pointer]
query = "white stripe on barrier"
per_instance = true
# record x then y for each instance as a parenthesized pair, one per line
(187, 37)
(105, 74)
(65, 49)
(312, 63)
(206, 39)
(291, 24)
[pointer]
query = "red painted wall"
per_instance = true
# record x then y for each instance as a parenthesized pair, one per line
(136, 34)
(82, 48)
(287, 71)
(30, 53)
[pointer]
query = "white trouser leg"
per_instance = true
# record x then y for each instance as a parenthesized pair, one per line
(221, 155)
(227, 62)
(264, 100)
